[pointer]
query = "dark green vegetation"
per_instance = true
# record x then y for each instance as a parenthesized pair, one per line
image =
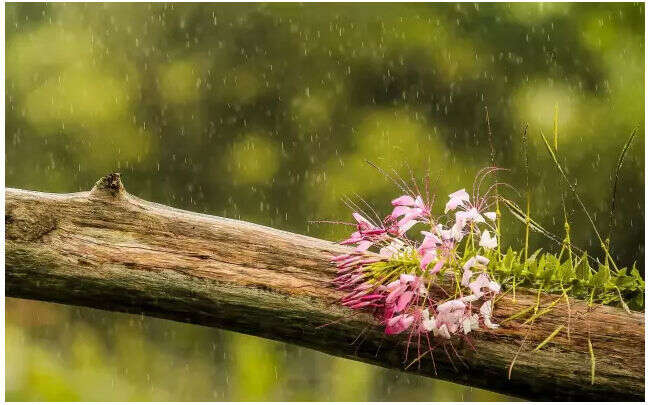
(267, 112)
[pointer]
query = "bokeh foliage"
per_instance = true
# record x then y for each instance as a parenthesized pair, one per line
(266, 112)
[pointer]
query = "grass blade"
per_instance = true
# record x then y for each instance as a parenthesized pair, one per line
(548, 339)
(617, 174)
(580, 202)
(535, 226)
(592, 361)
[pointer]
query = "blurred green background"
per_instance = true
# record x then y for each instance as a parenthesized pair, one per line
(266, 113)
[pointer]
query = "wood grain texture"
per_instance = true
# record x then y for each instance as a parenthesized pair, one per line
(110, 250)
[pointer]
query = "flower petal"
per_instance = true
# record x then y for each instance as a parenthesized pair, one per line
(465, 280)
(359, 218)
(481, 282)
(404, 200)
(437, 267)
(451, 305)
(406, 226)
(460, 195)
(399, 211)
(486, 241)
(403, 300)
(363, 246)
(486, 311)
(452, 204)
(428, 257)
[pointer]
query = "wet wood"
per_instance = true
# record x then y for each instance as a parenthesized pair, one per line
(110, 250)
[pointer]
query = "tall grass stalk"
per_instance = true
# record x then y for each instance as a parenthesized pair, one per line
(615, 182)
(567, 242)
(527, 218)
(578, 199)
(497, 207)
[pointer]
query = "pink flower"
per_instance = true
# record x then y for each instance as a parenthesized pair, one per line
(366, 234)
(450, 315)
(456, 199)
(363, 245)
(426, 322)
(430, 324)
(437, 267)
(404, 200)
(404, 226)
(428, 249)
(494, 287)
(400, 294)
(442, 331)
(482, 282)
(450, 306)
(470, 298)
(409, 210)
(431, 241)
(398, 288)
(428, 257)
(403, 300)
(398, 324)
(398, 304)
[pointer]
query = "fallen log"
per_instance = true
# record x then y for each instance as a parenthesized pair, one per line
(110, 250)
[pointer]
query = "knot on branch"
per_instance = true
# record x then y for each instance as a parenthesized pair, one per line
(109, 185)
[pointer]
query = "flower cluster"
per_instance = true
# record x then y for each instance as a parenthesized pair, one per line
(396, 278)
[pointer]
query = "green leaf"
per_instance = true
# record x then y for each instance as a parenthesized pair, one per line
(533, 257)
(509, 258)
(637, 302)
(601, 277)
(637, 276)
(625, 282)
(583, 269)
(566, 272)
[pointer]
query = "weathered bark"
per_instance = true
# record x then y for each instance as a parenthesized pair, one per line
(110, 250)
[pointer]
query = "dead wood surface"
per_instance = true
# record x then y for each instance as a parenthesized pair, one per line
(110, 250)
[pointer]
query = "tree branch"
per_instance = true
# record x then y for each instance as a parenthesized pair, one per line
(108, 249)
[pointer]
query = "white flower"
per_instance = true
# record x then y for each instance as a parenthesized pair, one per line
(465, 280)
(394, 247)
(442, 331)
(471, 298)
(456, 199)
(476, 261)
(450, 306)
(474, 215)
(491, 215)
(470, 323)
(494, 287)
(487, 241)
(457, 232)
(428, 323)
(486, 311)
